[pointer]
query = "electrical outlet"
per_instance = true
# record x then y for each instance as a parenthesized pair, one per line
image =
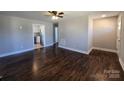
(63, 42)
(20, 27)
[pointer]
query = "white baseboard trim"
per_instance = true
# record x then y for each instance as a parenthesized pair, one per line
(89, 50)
(72, 49)
(104, 49)
(122, 63)
(17, 52)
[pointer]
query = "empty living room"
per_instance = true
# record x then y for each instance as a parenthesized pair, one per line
(61, 46)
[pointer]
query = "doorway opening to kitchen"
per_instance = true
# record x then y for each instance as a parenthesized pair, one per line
(38, 36)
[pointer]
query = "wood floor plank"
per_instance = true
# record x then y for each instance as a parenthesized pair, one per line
(57, 64)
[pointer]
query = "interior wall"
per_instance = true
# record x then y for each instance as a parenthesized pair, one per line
(16, 34)
(73, 33)
(36, 28)
(121, 49)
(90, 33)
(105, 33)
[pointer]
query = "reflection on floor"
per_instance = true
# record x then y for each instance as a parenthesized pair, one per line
(53, 63)
(37, 46)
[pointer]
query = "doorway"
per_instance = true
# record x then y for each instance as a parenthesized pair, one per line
(56, 33)
(38, 36)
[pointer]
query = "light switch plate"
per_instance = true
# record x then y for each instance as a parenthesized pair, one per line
(20, 27)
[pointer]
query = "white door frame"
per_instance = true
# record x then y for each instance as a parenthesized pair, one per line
(42, 27)
(118, 34)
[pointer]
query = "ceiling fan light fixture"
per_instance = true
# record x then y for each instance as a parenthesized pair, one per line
(54, 17)
(103, 15)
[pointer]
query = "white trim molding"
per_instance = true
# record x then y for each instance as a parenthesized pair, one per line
(17, 52)
(72, 49)
(89, 50)
(105, 49)
(21, 51)
(122, 63)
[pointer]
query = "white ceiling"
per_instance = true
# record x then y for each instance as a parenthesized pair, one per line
(40, 15)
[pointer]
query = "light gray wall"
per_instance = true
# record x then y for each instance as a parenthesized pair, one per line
(14, 39)
(90, 33)
(105, 33)
(74, 33)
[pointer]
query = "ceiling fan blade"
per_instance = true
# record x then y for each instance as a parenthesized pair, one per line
(60, 16)
(50, 11)
(61, 13)
(54, 12)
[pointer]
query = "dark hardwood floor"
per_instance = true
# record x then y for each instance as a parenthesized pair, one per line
(57, 64)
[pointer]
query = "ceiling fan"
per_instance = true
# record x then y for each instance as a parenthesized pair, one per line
(55, 14)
